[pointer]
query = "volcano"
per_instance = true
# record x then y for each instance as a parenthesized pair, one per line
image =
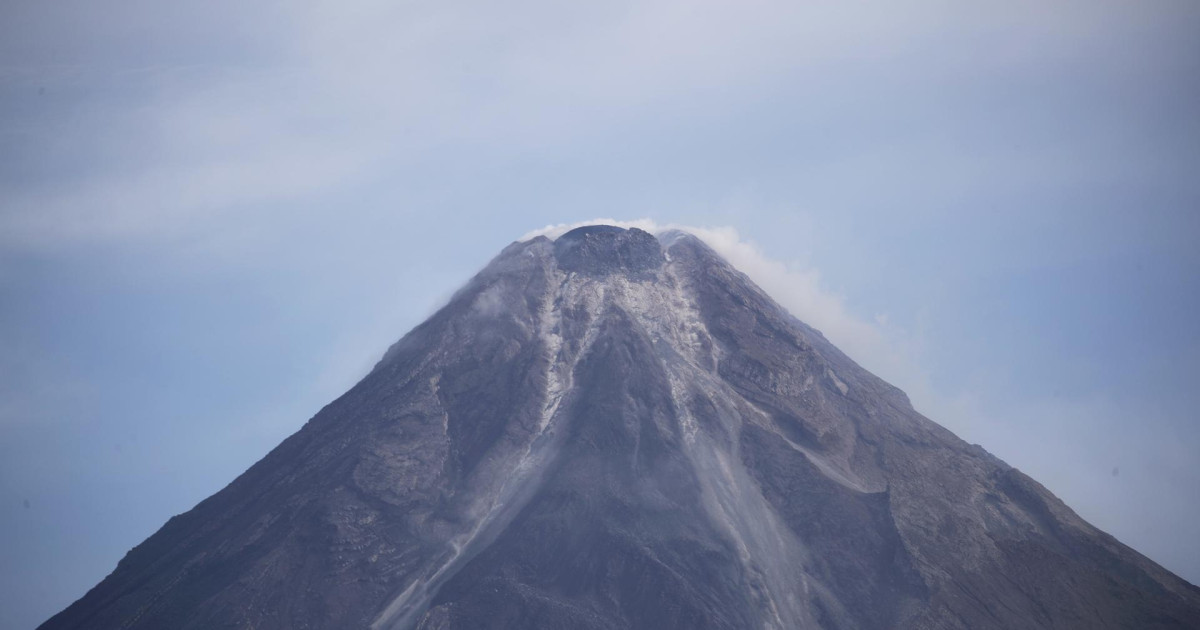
(616, 430)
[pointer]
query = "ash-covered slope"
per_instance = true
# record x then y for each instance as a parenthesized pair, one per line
(614, 430)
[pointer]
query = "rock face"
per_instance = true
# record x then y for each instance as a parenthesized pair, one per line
(599, 250)
(614, 431)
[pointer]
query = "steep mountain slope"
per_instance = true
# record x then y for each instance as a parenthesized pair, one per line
(614, 430)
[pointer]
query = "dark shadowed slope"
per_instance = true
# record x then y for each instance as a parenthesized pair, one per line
(614, 430)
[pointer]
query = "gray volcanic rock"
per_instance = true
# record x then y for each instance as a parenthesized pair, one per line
(604, 249)
(616, 431)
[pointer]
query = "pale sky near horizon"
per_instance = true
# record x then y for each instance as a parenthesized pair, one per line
(214, 217)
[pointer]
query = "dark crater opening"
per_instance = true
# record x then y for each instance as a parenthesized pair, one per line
(606, 249)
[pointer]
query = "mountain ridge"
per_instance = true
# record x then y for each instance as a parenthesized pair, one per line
(617, 430)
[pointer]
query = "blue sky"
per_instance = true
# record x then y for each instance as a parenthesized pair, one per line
(215, 216)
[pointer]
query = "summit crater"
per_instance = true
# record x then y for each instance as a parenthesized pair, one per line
(604, 249)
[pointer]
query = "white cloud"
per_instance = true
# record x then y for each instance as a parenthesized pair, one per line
(335, 90)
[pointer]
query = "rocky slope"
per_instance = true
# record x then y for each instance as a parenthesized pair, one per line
(617, 430)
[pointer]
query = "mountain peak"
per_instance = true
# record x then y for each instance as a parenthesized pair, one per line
(596, 433)
(606, 249)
